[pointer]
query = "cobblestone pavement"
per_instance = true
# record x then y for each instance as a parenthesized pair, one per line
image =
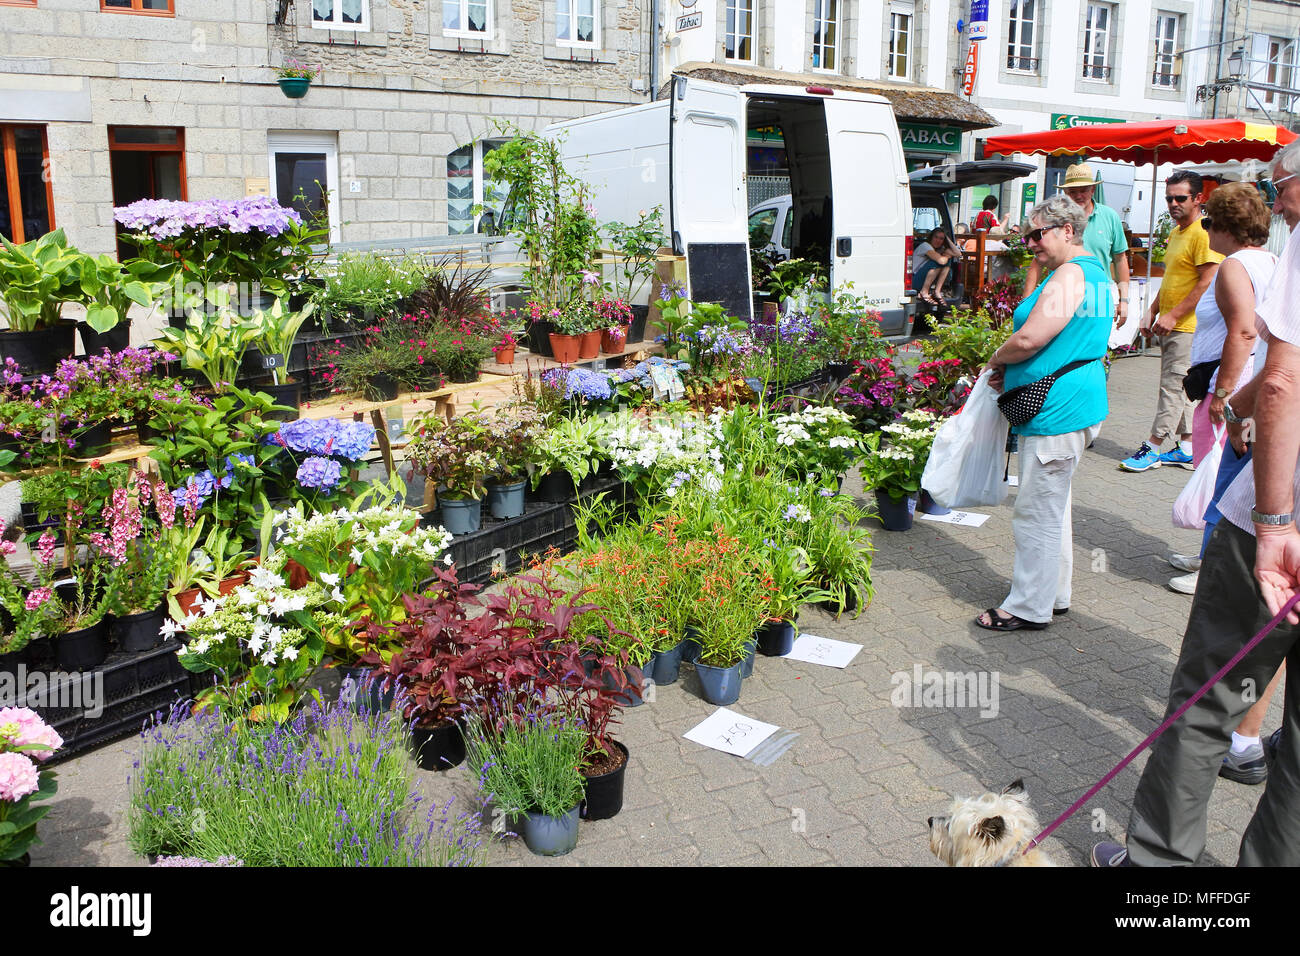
(862, 777)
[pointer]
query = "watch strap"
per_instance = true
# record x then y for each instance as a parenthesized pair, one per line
(1261, 518)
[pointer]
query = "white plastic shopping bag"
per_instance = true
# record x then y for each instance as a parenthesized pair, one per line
(967, 460)
(1190, 505)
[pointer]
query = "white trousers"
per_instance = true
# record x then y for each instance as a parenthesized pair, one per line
(1041, 524)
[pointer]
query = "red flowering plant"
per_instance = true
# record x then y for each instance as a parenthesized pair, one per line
(30, 608)
(139, 520)
(938, 386)
(872, 394)
(392, 345)
(615, 317)
(999, 299)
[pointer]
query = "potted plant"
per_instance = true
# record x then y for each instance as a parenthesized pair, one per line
(318, 462)
(138, 520)
(512, 430)
(563, 455)
(272, 333)
(77, 626)
(636, 252)
(36, 279)
(504, 350)
(729, 607)
(212, 344)
(894, 471)
(458, 456)
(295, 79)
(26, 741)
(567, 328)
(27, 609)
(212, 567)
(526, 755)
(109, 289)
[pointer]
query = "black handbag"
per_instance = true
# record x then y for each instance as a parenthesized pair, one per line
(1023, 402)
(1196, 383)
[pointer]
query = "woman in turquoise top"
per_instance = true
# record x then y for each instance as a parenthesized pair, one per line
(1066, 319)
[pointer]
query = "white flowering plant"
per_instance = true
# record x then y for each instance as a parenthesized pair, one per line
(817, 440)
(896, 468)
(366, 556)
(262, 640)
(664, 451)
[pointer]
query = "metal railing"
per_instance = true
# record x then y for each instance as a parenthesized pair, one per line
(1168, 81)
(1025, 64)
(1092, 71)
(762, 188)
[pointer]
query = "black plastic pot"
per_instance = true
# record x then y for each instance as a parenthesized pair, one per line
(144, 431)
(31, 521)
(462, 376)
(373, 693)
(83, 649)
(94, 440)
(10, 662)
(385, 386)
(438, 748)
(775, 638)
(636, 332)
(289, 395)
(39, 351)
(139, 632)
(556, 487)
(668, 664)
(115, 339)
(603, 793)
(539, 338)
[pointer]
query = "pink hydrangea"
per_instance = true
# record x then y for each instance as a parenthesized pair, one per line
(18, 777)
(24, 727)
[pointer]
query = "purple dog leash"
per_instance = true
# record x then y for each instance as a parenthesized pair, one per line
(1236, 659)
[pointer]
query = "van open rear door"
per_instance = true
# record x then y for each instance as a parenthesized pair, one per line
(709, 202)
(871, 211)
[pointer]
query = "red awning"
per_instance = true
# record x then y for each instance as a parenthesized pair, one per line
(1172, 141)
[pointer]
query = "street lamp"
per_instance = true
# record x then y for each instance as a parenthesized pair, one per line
(1236, 63)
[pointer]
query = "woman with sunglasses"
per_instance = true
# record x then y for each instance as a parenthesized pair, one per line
(1067, 319)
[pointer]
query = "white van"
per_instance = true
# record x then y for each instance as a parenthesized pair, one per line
(848, 182)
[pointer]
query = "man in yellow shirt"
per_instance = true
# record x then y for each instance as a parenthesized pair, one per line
(1189, 267)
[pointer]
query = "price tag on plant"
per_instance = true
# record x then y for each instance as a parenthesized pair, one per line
(730, 732)
(272, 361)
(812, 649)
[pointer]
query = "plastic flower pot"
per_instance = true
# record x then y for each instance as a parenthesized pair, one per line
(94, 440)
(190, 598)
(747, 665)
(610, 344)
(636, 331)
(589, 347)
(40, 350)
(506, 501)
(895, 513)
(383, 386)
(690, 645)
(289, 395)
(505, 356)
(927, 506)
(371, 693)
(565, 348)
(138, 632)
(721, 685)
(603, 793)
(556, 487)
(9, 662)
(438, 748)
(551, 836)
(115, 339)
(460, 515)
(83, 649)
(775, 638)
(295, 87)
(668, 664)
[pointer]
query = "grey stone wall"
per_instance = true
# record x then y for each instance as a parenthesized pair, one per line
(399, 96)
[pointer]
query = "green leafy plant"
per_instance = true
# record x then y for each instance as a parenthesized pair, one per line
(363, 285)
(969, 335)
(459, 454)
(37, 278)
(570, 444)
(895, 468)
(273, 331)
(635, 252)
(212, 343)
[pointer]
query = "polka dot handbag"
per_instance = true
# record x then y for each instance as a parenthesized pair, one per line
(1023, 402)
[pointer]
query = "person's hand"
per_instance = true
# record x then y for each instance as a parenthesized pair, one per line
(1236, 437)
(1121, 312)
(997, 379)
(1216, 409)
(1277, 566)
(1163, 325)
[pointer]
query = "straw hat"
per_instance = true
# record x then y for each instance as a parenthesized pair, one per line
(1080, 174)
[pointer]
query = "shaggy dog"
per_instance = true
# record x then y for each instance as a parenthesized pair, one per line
(991, 830)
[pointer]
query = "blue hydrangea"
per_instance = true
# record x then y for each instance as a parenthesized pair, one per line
(320, 473)
(326, 436)
(579, 383)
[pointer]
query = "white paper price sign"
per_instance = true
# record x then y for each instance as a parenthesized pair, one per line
(730, 732)
(958, 517)
(812, 649)
(1013, 481)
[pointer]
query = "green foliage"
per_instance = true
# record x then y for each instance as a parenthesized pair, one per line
(1160, 241)
(636, 250)
(212, 343)
(365, 283)
(791, 275)
(968, 335)
(895, 468)
(37, 278)
(273, 332)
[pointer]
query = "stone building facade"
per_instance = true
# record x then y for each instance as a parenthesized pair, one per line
(106, 101)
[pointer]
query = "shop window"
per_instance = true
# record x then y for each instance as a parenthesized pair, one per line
(146, 162)
(157, 8)
(468, 190)
(26, 184)
(340, 14)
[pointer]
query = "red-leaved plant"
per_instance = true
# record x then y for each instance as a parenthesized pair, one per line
(461, 649)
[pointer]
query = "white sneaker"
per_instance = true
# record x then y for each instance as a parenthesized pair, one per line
(1186, 562)
(1186, 584)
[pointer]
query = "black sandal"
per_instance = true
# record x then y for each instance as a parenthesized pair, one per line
(1011, 623)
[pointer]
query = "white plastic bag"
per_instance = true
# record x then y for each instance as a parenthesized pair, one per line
(968, 458)
(1190, 505)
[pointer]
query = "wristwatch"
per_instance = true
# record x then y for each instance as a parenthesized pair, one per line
(1260, 518)
(1221, 393)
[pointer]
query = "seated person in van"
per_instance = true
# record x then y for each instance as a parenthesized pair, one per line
(931, 263)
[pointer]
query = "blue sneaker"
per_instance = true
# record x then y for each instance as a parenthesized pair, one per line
(1143, 459)
(1177, 457)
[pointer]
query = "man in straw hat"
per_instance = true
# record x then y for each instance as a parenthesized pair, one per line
(1103, 237)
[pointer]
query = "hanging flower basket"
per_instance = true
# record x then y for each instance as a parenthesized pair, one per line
(294, 87)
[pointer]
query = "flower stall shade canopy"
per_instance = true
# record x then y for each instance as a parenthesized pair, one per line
(1173, 141)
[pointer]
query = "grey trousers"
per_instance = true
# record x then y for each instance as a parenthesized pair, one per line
(1167, 827)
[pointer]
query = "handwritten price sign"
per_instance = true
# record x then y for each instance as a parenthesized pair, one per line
(730, 732)
(812, 649)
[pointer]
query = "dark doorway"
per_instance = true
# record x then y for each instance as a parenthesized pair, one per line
(147, 162)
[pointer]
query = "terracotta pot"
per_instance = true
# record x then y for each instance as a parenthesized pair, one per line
(191, 597)
(590, 345)
(505, 356)
(611, 345)
(566, 348)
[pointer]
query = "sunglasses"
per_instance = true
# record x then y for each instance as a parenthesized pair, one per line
(1178, 199)
(1036, 235)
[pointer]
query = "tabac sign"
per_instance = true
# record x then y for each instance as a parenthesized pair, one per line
(928, 138)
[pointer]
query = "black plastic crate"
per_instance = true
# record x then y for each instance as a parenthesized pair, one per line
(123, 719)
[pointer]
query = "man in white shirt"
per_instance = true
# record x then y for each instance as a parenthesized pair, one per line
(1250, 570)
